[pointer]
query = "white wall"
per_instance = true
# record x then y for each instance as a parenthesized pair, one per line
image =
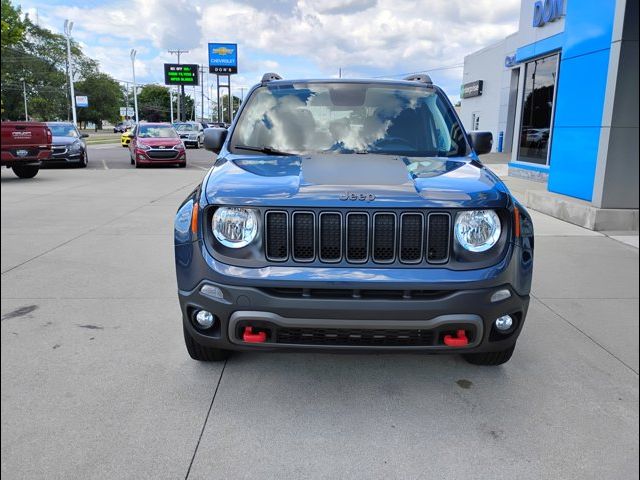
(488, 65)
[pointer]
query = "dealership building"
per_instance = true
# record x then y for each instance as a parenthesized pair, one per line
(561, 98)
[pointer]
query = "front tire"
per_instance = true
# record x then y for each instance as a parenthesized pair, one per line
(25, 171)
(203, 354)
(490, 358)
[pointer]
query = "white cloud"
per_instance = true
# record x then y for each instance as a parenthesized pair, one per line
(375, 37)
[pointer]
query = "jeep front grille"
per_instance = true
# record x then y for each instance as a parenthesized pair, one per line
(380, 237)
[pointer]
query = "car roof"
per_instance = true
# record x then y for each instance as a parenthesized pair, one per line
(59, 123)
(155, 124)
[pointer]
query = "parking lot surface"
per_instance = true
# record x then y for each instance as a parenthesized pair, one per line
(96, 382)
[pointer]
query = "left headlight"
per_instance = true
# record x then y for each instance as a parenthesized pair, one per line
(235, 227)
(477, 230)
(75, 147)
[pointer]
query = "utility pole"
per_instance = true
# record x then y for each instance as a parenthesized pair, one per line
(126, 96)
(24, 91)
(67, 31)
(171, 104)
(135, 93)
(201, 93)
(178, 52)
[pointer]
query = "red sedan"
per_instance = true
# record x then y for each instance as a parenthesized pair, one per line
(156, 144)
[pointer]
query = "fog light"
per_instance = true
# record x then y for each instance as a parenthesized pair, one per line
(205, 319)
(504, 323)
(500, 295)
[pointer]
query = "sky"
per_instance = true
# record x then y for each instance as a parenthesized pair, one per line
(295, 38)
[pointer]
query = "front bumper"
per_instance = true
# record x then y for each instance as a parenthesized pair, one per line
(67, 158)
(274, 301)
(470, 310)
(143, 159)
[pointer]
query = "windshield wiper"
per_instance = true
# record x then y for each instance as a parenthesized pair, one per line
(267, 150)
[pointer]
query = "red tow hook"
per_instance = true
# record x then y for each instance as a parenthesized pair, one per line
(250, 337)
(460, 340)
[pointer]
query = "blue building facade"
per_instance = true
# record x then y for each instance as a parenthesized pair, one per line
(563, 93)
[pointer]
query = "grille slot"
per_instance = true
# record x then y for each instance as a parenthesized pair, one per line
(438, 237)
(411, 237)
(277, 233)
(303, 224)
(384, 237)
(357, 237)
(354, 337)
(330, 237)
(162, 154)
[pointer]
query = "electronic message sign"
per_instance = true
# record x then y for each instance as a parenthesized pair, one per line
(180, 74)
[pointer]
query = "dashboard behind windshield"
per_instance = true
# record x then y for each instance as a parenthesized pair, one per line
(62, 130)
(350, 118)
(145, 131)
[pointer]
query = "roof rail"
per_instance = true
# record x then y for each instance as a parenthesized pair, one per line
(269, 77)
(419, 77)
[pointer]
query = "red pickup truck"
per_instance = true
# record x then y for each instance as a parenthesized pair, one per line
(25, 145)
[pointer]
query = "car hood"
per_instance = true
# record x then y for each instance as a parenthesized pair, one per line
(64, 140)
(160, 142)
(354, 180)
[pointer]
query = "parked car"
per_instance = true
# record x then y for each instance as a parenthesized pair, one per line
(217, 125)
(352, 215)
(25, 145)
(125, 138)
(191, 133)
(69, 147)
(156, 144)
(122, 127)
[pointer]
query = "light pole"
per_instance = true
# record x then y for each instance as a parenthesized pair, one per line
(67, 31)
(24, 92)
(135, 93)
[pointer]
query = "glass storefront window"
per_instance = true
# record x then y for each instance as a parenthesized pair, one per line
(537, 109)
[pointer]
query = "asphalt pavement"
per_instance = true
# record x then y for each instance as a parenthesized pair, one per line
(96, 382)
(114, 156)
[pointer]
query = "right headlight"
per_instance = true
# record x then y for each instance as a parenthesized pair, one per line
(477, 230)
(235, 227)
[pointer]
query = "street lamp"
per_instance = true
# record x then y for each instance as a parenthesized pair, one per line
(135, 93)
(67, 31)
(24, 92)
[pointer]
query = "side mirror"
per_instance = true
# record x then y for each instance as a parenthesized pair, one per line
(214, 139)
(481, 142)
(84, 135)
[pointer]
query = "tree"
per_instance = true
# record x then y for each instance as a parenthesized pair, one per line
(105, 98)
(12, 26)
(38, 56)
(153, 103)
(225, 106)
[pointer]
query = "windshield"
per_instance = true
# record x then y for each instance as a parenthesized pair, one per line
(349, 118)
(186, 127)
(156, 131)
(62, 130)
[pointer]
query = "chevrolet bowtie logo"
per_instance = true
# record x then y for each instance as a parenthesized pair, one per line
(222, 51)
(365, 197)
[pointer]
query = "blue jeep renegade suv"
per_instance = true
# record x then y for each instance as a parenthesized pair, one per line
(352, 215)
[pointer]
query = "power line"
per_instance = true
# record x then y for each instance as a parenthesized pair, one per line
(448, 67)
